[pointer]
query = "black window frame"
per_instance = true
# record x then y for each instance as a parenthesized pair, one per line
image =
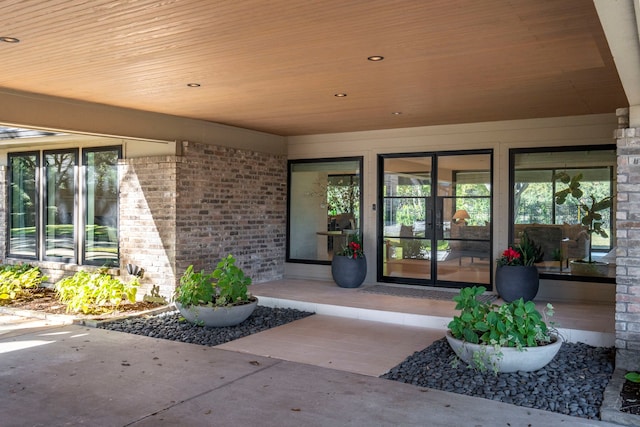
(511, 233)
(79, 203)
(44, 197)
(37, 203)
(290, 163)
(84, 207)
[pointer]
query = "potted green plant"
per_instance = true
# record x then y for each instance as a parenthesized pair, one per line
(220, 298)
(591, 220)
(516, 273)
(509, 337)
(349, 265)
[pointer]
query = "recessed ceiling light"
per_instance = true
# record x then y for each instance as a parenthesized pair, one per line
(397, 113)
(375, 58)
(340, 95)
(193, 84)
(9, 39)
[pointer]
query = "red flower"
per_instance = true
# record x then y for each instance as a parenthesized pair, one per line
(353, 248)
(510, 257)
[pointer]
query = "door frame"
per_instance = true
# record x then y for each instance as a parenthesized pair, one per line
(434, 201)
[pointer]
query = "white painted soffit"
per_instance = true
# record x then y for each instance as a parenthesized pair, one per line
(620, 20)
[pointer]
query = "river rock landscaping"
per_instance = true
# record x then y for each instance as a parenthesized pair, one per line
(172, 326)
(572, 384)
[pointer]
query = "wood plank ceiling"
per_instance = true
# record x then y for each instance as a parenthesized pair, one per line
(275, 65)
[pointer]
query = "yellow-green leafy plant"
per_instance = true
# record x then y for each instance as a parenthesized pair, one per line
(97, 292)
(16, 279)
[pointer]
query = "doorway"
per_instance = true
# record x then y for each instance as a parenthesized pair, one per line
(434, 220)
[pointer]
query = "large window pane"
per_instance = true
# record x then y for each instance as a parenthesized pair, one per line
(101, 206)
(23, 199)
(558, 228)
(60, 203)
(324, 207)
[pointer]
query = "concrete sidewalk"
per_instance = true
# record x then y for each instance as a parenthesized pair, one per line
(75, 375)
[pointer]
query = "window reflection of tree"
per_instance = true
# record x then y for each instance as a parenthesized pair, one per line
(101, 236)
(23, 207)
(60, 170)
(60, 200)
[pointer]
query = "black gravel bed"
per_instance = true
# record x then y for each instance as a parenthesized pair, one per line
(572, 384)
(171, 326)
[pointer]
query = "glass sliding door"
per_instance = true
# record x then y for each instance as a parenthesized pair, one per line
(435, 218)
(101, 206)
(60, 204)
(406, 217)
(465, 194)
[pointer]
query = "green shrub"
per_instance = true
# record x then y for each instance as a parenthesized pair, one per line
(196, 288)
(15, 279)
(515, 324)
(95, 292)
(231, 282)
(225, 286)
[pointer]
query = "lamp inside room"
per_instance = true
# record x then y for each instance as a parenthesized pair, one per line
(460, 217)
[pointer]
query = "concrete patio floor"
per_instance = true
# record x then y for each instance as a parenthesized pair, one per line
(318, 371)
(76, 375)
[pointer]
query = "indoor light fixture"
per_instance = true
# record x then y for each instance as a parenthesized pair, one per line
(9, 39)
(460, 217)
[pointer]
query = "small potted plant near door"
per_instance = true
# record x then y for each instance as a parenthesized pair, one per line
(505, 338)
(349, 265)
(516, 273)
(220, 298)
(591, 220)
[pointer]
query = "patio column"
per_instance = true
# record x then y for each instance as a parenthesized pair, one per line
(627, 318)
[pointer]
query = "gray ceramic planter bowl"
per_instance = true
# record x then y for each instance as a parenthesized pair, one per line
(512, 360)
(217, 316)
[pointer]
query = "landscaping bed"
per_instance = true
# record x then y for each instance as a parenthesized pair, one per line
(172, 326)
(44, 300)
(630, 397)
(572, 384)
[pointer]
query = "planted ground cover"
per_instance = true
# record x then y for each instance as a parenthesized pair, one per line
(85, 294)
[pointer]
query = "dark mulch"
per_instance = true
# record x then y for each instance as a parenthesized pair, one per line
(630, 395)
(44, 300)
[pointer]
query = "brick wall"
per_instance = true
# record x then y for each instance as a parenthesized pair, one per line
(194, 209)
(231, 201)
(4, 203)
(627, 322)
(199, 207)
(147, 219)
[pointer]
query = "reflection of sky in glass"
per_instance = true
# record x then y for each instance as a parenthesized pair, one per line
(18, 133)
